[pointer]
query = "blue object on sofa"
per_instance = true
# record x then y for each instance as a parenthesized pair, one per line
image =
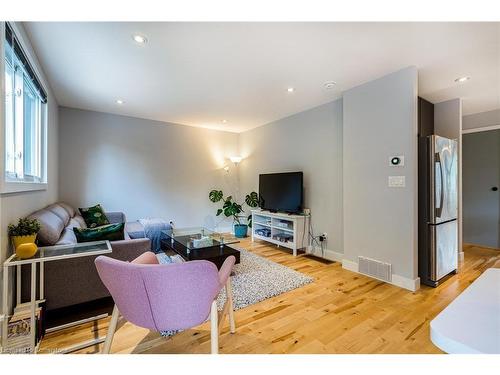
(152, 230)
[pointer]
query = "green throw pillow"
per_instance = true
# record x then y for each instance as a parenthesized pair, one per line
(94, 216)
(111, 232)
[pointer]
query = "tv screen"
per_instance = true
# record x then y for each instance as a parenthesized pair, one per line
(281, 192)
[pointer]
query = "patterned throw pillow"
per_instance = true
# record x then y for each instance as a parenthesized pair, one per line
(111, 232)
(94, 216)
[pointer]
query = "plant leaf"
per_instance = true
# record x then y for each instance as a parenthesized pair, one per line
(252, 199)
(249, 220)
(219, 211)
(215, 195)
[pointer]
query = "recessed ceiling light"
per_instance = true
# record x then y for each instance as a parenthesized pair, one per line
(139, 39)
(290, 89)
(330, 85)
(462, 79)
(224, 121)
(119, 101)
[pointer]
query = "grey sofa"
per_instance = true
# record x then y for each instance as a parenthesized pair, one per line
(74, 281)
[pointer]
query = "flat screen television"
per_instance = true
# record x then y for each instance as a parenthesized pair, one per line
(281, 192)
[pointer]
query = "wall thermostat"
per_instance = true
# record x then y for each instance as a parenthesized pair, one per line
(397, 161)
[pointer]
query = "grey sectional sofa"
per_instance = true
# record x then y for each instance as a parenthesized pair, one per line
(74, 281)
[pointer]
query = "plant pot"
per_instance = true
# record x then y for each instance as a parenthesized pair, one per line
(240, 230)
(25, 246)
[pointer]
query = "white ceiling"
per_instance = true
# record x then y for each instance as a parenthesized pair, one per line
(201, 73)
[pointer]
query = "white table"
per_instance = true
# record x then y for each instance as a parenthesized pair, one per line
(44, 254)
(471, 323)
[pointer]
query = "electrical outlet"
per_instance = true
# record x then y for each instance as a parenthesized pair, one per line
(325, 235)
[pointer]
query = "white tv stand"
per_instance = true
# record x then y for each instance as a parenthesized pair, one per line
(290, 231)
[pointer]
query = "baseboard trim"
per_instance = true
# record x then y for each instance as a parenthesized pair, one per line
(461, 256)
(397, 280)
(327, 253)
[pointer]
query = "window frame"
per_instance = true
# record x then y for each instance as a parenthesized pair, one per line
(27, 183)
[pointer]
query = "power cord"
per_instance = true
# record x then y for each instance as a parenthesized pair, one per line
(318, 240)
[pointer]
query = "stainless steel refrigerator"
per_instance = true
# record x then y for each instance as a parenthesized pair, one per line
(438, 208)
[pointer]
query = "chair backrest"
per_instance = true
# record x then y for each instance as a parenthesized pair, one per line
(161, 296)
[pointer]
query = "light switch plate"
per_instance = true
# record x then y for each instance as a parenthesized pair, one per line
(397, 181)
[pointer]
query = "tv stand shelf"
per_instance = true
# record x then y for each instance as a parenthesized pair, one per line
(286, 230)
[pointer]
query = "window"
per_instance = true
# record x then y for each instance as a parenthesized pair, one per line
(25, 116)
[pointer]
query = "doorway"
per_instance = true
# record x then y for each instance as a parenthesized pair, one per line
(481, 194)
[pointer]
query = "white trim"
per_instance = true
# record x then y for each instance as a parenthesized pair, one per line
(327, 253)
(406, 283)
(482, 129)
(350, 265)
(397, 280)
(461, 256)
(9, 187)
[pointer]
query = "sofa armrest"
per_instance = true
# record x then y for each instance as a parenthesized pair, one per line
(115, 217)
(128, 250)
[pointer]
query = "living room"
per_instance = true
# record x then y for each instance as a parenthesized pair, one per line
(280, 183)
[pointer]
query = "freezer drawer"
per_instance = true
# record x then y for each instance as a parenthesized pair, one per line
(444, 249)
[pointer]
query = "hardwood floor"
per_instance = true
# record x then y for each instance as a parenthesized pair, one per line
(340, 312)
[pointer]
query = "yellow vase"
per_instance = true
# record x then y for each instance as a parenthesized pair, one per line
(25, 246)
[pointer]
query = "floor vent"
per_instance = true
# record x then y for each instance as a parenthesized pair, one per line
(375, 268)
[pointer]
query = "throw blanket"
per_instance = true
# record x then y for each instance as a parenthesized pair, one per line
(152, 230)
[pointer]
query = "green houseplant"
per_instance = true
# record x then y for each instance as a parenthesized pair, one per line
(234, 209)
(23, 235)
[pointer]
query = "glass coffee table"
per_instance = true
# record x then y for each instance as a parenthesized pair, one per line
(200, 243)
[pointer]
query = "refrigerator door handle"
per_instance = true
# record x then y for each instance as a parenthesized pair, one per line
(439, 209)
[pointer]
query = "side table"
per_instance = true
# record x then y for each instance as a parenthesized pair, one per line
(44, 254)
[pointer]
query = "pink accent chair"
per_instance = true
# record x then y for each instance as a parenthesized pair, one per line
(164, 297)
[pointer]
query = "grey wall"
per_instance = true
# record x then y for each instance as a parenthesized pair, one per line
(380, 120)
(482, 119)
(311, 142)
(481, 171)
(144, 168)
(448, 118)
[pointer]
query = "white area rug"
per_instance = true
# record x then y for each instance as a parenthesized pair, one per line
(256, 279)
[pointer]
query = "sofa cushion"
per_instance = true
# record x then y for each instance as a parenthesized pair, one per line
(51, 227)
(79, 220)
(135, 229)
(59, 211)
(71, 211)
(67, 237)
(94, 216)
(75, 222)
(111, 232)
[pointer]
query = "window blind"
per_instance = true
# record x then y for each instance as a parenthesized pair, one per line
(16, 46)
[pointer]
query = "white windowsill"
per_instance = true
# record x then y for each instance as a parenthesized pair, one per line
(9, 187)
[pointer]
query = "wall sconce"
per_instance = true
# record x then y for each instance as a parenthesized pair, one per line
(236, 159)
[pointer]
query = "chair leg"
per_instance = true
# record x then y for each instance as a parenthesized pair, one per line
(214, 329)
(229, 296)
(111, 330)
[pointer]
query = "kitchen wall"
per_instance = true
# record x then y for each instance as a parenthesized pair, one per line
(481, 172)
(481, 120)
(380, 222)
(144, 168)
(309, 141)
(15, 205)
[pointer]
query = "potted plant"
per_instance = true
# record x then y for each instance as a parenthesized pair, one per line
(23, 237)
(234, 209)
